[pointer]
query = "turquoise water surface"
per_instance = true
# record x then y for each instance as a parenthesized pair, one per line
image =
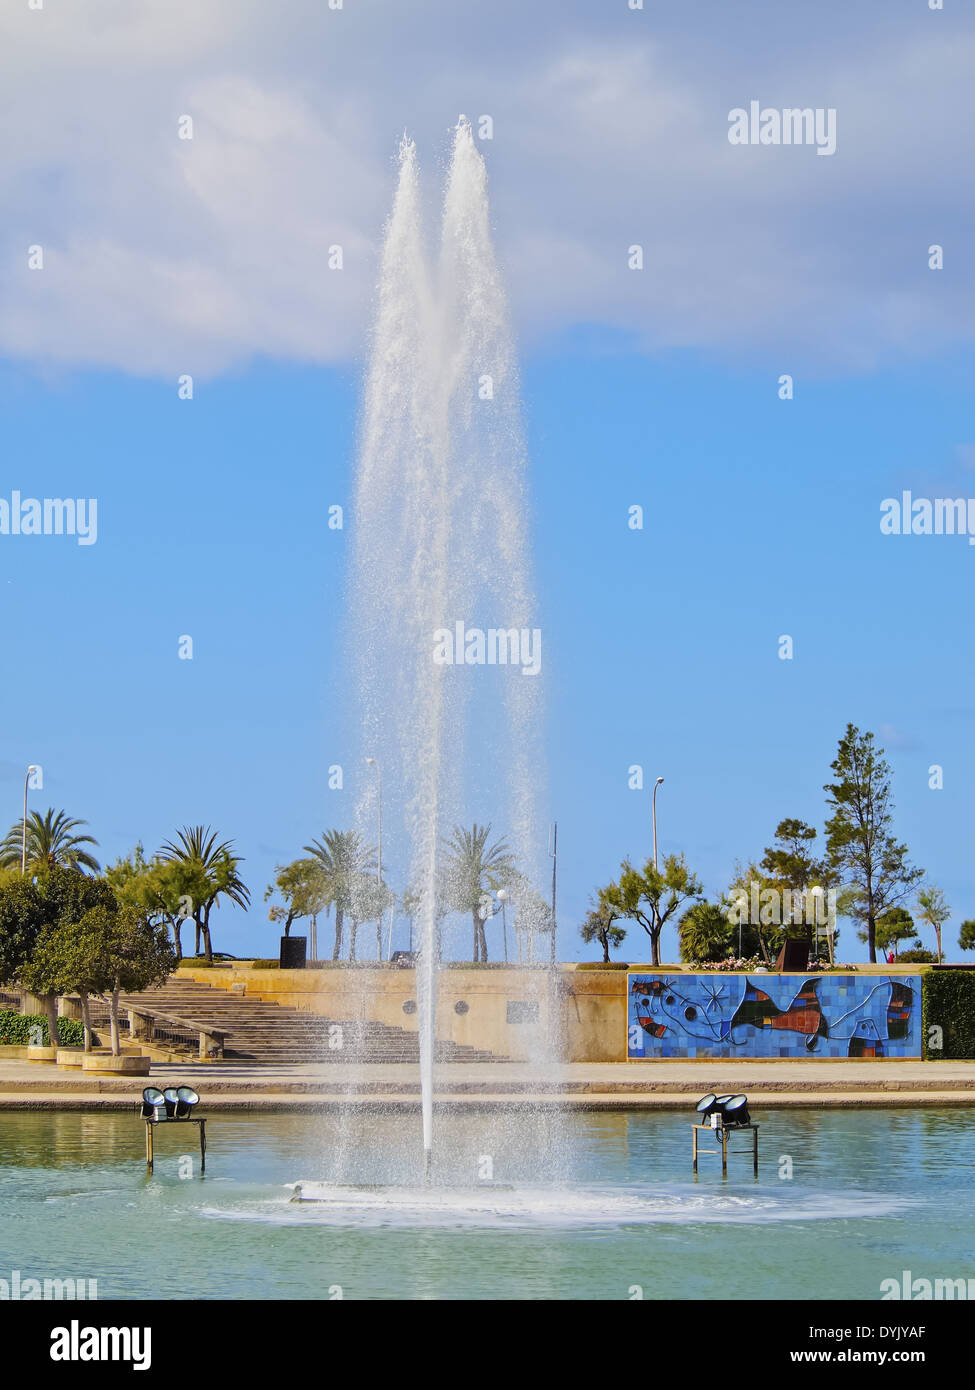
(595, 1206)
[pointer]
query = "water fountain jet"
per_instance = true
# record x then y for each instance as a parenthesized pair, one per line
(441, 537)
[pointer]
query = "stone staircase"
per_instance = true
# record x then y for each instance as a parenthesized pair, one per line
(257, 1031)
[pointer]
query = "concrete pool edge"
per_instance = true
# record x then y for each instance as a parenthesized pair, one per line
(320, 1087)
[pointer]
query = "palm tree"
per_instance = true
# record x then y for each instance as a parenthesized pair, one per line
(472, 870)
(50, 844)
(933, 911)
(213, 870)
(345, 859)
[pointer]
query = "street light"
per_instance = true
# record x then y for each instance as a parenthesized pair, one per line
(502, 897)
(653, 807)
(374, 762)
(23, 841)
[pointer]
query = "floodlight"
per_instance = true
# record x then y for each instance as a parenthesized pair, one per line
(186, 1099)
(735, 1111)
(171, 1097)
(152, 1102)
(707, 1105)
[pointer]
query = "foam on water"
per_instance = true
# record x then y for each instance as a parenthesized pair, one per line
(567, 1207)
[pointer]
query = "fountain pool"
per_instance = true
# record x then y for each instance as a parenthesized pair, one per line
(873, 1193)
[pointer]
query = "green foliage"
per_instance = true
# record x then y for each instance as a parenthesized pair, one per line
(473, 870)
(860, 847)
(649, 896)
(892, 927)
(16, 1029)
(705, 933)
(110, 949)
(917, 956)
(793, 868)
(50, 843)
(606, 965)
(752, 938)
(933, 911)
(165, 889)
(22, 918)
(948, 1002)
(304, 887)
(210, 873)
(966, 936)
(600, 925)
(344, 859)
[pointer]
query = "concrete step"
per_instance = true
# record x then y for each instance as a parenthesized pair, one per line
(256, 1030)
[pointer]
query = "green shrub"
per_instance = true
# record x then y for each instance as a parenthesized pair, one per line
(918, 957)
(948, 1003)
(495, 965)
(15, 1030)
(267, 965)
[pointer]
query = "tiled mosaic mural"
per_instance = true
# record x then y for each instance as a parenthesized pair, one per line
(793, 1016)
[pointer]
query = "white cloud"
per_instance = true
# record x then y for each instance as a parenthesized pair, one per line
(164, 256)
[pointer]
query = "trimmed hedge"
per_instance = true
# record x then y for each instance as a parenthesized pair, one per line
(15, 1029)
(948, 1003)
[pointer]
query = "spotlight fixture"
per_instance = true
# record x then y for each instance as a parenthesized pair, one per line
(707, 1105)
(735, 1111)
(175, 1103)
(152, 1103)
(186, 1099)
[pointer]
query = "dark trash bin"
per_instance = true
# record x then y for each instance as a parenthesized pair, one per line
(294, 950)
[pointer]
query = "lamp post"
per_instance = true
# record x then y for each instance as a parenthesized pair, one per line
(23, 840)
(502, 897)
(555, 861)
(653, 812)
(374, 762)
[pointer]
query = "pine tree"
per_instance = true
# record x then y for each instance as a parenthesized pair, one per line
(859, 843)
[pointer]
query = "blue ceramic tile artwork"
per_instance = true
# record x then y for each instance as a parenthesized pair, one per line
(793, 1016)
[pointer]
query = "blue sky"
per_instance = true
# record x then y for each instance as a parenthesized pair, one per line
(658, 389)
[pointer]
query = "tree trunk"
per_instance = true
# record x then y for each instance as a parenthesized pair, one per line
(51, 1003)
(196, 923)
(605, 940)
(937, 932)
(85, 1020)
(477, 937)
(872, 936)
(337, 948)
(175, 924)
(379, 939)
(764, 949)
(352, 936)
(113, 1008)
(484, 954)
(206, 937)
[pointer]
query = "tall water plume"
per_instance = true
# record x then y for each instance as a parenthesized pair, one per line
(441, 539)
